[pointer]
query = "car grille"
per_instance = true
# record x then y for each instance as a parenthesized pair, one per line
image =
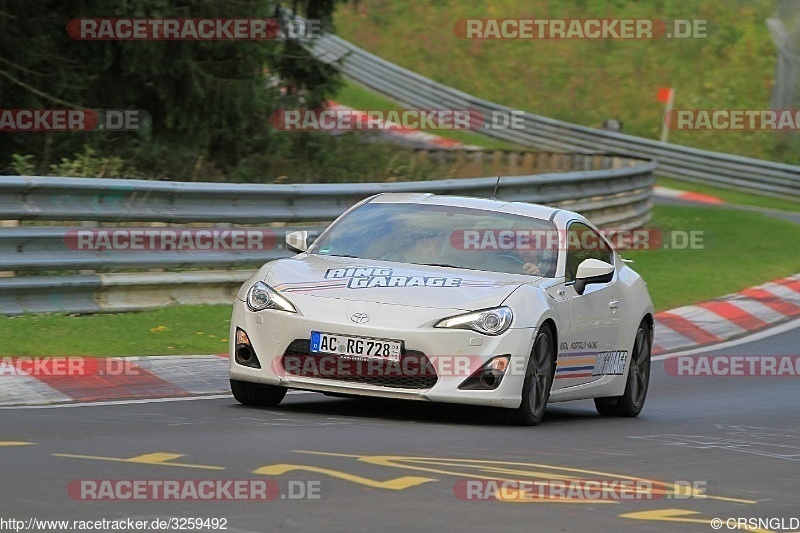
(413, 371)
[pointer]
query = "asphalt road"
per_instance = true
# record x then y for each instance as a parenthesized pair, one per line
(380, 465)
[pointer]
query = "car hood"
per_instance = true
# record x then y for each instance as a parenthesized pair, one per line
(389, 282)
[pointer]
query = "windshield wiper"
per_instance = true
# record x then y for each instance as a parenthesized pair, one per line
(445, 265)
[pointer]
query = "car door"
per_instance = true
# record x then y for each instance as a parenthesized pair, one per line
(594, 315)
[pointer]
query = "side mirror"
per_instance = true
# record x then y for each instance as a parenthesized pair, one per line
(592, 271)
(297, 240)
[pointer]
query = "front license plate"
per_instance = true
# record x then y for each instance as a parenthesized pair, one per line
(346, 345)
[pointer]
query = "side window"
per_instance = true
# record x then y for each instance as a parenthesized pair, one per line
(584, 243)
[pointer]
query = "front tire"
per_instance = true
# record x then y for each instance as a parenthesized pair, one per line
(257, 394)
(631, 402)
(539, 376)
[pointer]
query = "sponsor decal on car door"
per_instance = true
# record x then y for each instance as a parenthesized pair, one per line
(589, 351)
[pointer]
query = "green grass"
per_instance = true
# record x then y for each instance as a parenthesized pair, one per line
(588, 81)
(184, 329)
(737, 255)
(733, 197)
(742, 249)
(358, 97)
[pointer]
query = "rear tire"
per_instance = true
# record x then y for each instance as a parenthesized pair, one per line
(257, 394)
(631, 402)
(539, 376)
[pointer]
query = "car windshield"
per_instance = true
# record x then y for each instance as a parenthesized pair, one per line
(444, 236)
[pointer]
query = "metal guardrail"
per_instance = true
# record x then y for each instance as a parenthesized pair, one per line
(94, 293)
(124, 200)
(681, 162)
(617, 197)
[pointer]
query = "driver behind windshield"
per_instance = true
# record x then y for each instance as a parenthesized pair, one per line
(424, 246)
(421, 246)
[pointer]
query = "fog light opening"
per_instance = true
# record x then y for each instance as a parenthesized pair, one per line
(489, 376)
(244, 354)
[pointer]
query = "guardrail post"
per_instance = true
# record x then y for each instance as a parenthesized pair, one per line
(512, 162)
(88, 224)
(8, 224)
(497, 162)
(529, 162)
(158, 225)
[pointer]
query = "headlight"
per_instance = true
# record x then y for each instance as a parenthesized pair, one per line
(261, 296)
(489, 321)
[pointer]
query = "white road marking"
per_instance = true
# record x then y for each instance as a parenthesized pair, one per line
(141, 400)
(121, 402)
(763, 334)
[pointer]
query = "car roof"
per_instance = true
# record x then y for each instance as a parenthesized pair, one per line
(489, 204)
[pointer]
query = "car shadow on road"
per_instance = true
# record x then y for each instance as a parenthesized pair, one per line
(414, 411)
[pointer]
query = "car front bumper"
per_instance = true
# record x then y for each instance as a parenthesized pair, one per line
(454, 353)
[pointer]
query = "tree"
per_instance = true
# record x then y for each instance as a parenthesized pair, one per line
(210, 98)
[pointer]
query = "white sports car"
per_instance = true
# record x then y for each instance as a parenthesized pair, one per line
(447, 299)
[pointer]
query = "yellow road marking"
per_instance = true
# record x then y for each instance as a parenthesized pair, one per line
(542, 471)
(678, 515)
(158, 458)
(399, 483)
(14, 443)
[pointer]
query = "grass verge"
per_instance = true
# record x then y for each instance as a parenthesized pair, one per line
(730, 196)
(737, 255)
(741, 249)
(183, 329)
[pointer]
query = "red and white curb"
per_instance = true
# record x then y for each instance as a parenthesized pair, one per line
(41, 381)
(727, 317)
(686, 196)
(48, 380)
